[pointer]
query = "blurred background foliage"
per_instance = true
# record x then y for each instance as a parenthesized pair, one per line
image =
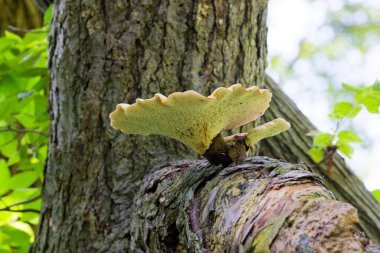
(313, 46)
(24, 123)
(19, 16)
(326, 57)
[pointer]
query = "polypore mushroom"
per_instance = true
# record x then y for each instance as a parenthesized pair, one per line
(194, 119)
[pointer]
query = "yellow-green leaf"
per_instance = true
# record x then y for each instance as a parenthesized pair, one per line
(316, 154)
(376, 193)
(23, 179)
(349, 136)
(345, 148)
(322, 140)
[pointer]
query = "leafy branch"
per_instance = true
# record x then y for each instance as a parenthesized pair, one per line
(325, 144)
(8, 207)
(9, 129)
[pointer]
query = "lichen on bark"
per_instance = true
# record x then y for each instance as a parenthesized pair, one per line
(263, 205)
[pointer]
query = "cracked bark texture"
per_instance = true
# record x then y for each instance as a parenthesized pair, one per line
(106, 52)
(263, 205)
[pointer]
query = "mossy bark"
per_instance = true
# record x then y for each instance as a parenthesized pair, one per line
(18, 16)
(106, 52)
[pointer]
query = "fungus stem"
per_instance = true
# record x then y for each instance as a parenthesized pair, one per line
(217, 153)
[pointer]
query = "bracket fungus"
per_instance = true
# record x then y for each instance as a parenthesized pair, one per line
(197, 121)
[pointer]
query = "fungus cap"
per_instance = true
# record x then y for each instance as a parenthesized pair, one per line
(191, 117)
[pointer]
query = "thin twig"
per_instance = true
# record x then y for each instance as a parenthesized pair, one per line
(16, 29)
(8, 129)
(24, 201)
(8, 208)
(20, 211)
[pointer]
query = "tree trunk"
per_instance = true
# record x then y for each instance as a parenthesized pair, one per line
(18, 16)
(106, 52)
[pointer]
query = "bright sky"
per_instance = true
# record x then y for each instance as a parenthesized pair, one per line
(289, 22)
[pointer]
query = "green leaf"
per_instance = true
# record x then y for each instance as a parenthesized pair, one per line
(18, 237)
(376, 86)
(48, 15)
(23, 179)
(349, 136)
(376, 193)
(345, 148)
(344, 109)
(21, 194)
(5, 176)
(12, 36)
(10, 148)
(351, 88)
(33, 72)
(42, 83)
(322, 140)
(40, 103)
(13, 159)
(316, 154)
(371, 103)
(354, 112)
(5, 248)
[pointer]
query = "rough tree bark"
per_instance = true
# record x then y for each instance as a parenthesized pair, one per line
(106, 52)
(263, 205)
(19, 15)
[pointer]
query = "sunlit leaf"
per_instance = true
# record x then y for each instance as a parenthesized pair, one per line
(5, 175)
(371, 103)
(351, 88)
(5, 248)
(13, 159)
(22, 226)
(316, 154)
(12, 36)
(9, 149)
(322, 140)
(48, 14)
(345, 148)
(349, 136)
(23, 179)
(18, 237)
(376, 193)
(344, 109)
(376, 86)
